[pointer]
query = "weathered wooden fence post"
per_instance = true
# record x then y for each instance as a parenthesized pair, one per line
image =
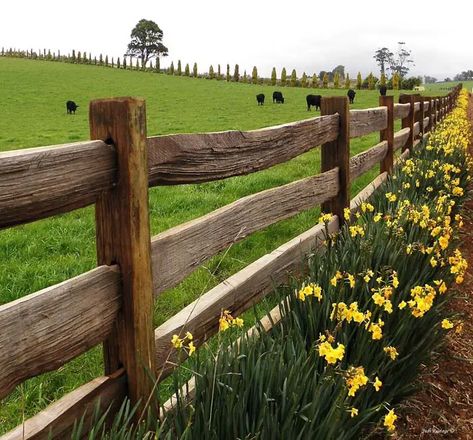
(408, 121)
(123, 238)
(337, 154)
(388, 134)
(434, 113)
(429, 113)
(419, 116)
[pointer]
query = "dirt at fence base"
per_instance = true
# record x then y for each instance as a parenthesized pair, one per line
(443, 408)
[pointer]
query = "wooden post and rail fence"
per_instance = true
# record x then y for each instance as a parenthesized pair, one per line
(113, 303)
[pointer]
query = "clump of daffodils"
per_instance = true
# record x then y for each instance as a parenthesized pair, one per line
(227, 321)
(389, 420)
(330, 353)
(186, 342)
(355, 379)
(311, 289)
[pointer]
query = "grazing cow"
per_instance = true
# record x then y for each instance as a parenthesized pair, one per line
(278, 98)
(383, 90)
(71, 107)
(314, 100)
(351, 95)
(260, 99)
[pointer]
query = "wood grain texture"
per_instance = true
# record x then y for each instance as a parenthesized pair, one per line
(179, 251)
(417, 107)
(408, 121)
(337, 154)
(367, 191)
(123, 238)
(387, 135)
(363, 122)
(400, 138)
(401, 111)
(426, 122)
(416, 129)
(194, 158)
(419, 117)
(56, 422)
(42, 331)
(237, 294)
(40, 182)
(426, 104)
(364, 161)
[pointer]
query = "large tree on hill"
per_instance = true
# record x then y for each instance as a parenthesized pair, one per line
(396, 62)
(400, 61)
(146, 42)
(382, 57)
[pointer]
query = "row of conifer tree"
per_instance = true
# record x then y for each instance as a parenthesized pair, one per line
(292, 80)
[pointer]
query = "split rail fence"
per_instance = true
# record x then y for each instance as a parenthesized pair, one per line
(113, 303)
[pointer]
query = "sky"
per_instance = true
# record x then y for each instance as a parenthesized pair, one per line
(308, 36)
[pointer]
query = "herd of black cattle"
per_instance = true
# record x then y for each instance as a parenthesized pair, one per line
(312, 100)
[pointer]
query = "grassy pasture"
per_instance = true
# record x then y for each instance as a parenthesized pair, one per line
(34, 256)
(442, 88)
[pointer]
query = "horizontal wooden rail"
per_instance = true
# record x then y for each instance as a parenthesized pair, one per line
(416, 107)
(363, 122)
(367, 191)
(194, 158)
(426, 105)
(237, 294)
(179, 251)
(40, 182)
(416, 129)
(42, 331)
(57, 420)
(426, 121)
(401, 110)
(365, 160)
(401, 137)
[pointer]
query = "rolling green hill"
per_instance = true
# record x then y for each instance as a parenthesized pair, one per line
(34, 256)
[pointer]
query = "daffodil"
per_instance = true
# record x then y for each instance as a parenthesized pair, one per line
(389, 420)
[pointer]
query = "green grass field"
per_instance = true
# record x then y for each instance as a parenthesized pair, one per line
(442, 88)
(34, 256)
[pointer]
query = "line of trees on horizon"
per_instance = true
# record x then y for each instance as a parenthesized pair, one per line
(336, 78)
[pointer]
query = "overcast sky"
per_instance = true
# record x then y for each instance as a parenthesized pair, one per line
(306, 35)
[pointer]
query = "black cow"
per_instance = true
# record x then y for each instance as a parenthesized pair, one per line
(383, 90)
(260, 99)
(314, 100)
(71, 107)
(278, 98)
(351, 95)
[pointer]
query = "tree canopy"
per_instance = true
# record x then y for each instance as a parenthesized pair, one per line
(383, 57)
(396, 62)
(146, 42)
